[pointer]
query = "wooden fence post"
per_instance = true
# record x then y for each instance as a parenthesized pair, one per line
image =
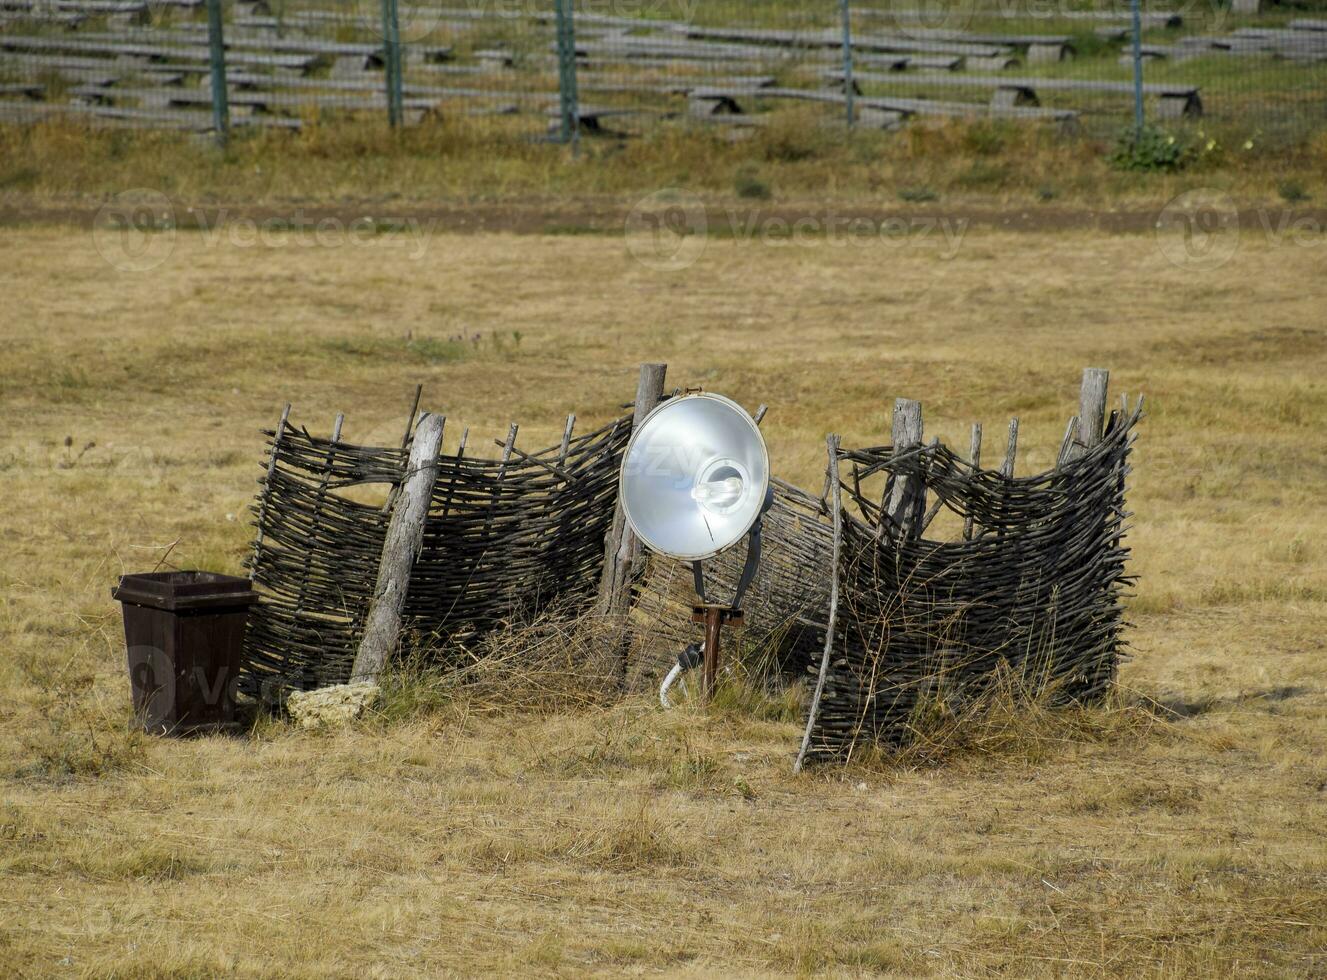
(405, 536)
(621, 549)
(1010, 451)
(1092, 408)
(907, 500)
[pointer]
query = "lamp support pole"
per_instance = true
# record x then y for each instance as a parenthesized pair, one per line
(713, 627)
(714, 618)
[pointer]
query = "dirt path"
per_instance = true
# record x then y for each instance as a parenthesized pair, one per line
(587, 216)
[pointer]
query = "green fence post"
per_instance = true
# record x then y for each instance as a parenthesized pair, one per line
(391, 58)
(1137, 70)
(568, 97)
(845, 10)
(217, 57)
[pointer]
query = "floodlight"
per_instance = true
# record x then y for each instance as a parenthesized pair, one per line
(695, 481)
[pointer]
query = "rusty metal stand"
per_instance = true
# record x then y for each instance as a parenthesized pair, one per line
(714, 618)
(716, 615)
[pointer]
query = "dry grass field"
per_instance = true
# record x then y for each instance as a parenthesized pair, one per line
(1178, 832)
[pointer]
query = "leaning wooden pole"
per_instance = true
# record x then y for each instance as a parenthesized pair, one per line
(836, 489)
(405, 536)
(621, 549)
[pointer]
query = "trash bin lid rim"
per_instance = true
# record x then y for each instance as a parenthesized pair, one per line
(203, 603)
(183, 590)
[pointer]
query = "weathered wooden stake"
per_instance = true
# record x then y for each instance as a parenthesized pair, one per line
(507, 447)
(405, 536)
(1092, 408)
(621, 549)
(1011, 451)
(566, 439)
(451, 484)
(1067, 443)
(395, 492)
(974, 456)
(836, 488)
(512, 429)
(907, 500)
(414, 410)
(267, 491)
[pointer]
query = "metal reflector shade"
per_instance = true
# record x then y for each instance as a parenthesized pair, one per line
(694, 476)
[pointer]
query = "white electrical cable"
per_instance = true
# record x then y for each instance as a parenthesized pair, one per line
(669, 681)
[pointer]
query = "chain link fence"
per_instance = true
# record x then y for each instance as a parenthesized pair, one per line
(567, 69)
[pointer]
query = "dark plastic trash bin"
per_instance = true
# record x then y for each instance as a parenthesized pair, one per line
(184, 632)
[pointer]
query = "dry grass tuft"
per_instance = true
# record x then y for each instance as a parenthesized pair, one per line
(84, 730)
(632, 838)
(1024, 725)
(557, 662)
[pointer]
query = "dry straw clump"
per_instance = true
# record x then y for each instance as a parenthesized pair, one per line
(548, 664)
(1024, 722)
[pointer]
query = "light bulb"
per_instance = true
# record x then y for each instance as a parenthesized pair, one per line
(718, 494)
(719, 487)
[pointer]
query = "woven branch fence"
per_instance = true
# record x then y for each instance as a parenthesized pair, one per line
(503, 538)
(890, 622)
(1031, 592)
